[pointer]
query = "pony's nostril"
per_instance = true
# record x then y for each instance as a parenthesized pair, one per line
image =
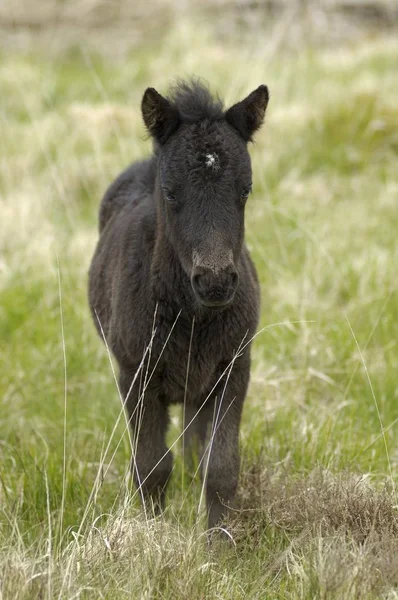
(196, 280)
(234, 279)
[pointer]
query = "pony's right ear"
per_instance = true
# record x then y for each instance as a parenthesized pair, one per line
(160, 117)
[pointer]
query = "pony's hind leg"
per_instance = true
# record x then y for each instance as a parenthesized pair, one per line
(196, 429)
(152, 461)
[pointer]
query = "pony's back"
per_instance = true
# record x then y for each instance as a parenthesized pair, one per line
(134, 184)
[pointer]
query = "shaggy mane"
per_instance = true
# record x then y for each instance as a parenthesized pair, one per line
(194, 101)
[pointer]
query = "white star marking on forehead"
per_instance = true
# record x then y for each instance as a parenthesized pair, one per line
(212, 161)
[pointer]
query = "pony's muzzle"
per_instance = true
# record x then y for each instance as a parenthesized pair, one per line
(214, 289)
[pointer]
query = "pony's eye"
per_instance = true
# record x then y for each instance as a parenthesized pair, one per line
(170, 197)
(245, 192)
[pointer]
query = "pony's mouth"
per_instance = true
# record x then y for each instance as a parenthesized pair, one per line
(215, 304)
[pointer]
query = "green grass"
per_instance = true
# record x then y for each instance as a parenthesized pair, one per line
(316, 515)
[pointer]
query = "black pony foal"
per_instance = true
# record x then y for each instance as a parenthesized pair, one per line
(171, 270)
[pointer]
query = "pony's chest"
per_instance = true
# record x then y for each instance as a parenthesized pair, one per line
(188, 362)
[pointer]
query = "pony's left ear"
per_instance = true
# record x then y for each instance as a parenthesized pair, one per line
(248, 115)
(160, 117)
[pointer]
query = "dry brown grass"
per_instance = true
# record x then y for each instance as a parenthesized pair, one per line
(328, 503)
(340, 530)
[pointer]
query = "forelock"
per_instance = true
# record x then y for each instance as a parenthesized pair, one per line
(194, 101)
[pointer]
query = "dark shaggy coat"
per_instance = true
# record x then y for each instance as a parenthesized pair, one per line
(173, 289)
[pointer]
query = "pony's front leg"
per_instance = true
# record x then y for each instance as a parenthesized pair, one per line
(152, 461)
(221, 462)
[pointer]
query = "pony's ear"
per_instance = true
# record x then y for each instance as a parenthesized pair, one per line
(248, 115)
(160, 117)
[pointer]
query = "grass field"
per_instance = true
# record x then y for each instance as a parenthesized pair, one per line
(317, 509)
